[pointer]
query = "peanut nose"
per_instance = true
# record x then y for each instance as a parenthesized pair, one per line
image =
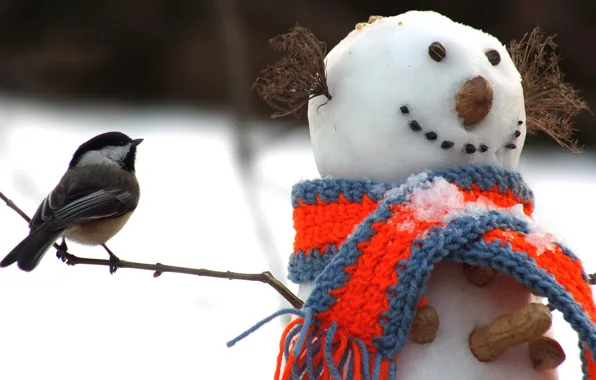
(474, 101)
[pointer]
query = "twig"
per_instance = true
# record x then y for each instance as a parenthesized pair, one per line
(16, 208)
(265, 277)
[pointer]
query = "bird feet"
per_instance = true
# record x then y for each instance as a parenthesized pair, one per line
(114, 260)
(62, 251)
(114, 264)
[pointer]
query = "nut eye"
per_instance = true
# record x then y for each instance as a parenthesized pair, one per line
(493, 57)
(437, 51)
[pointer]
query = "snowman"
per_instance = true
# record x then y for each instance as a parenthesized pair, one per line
(416, 253)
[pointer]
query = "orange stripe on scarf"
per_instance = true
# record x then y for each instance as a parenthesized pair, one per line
(321, 224)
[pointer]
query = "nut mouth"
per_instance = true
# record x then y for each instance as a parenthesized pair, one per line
(474, 101)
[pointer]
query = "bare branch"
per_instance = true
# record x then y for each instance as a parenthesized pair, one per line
(157, 269)
(16, 208)
(264, 277)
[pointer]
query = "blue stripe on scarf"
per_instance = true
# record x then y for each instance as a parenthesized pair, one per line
(328, 190)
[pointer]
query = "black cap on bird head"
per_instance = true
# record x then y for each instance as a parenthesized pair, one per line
(107, 140)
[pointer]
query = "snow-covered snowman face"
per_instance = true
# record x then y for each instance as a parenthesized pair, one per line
(413, 92)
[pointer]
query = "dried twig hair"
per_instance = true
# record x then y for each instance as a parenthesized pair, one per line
(298, 77)
(551, 103)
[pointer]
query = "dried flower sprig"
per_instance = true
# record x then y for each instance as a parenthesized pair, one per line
(551, 103)
(298, 77)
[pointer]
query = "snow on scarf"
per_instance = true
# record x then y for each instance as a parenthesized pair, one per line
(369, 279)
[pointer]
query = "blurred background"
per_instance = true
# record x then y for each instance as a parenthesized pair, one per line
(215, 171)
(181, 52)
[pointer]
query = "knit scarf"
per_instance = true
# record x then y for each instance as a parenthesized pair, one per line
(370, 248)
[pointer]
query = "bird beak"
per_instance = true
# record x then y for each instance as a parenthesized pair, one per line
(137, 142)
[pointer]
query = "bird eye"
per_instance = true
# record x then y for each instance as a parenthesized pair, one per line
(437, 51)
(493, 57)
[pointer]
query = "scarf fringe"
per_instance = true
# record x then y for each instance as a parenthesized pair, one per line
(306, 353)
(310, 354)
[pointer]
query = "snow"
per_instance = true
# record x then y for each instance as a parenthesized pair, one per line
(414, 180)
(441, 201)
(433, 203)
(542, 241)
(83, 323)
(385, 65)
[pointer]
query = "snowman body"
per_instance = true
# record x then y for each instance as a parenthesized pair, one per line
(416, 92)
(462, 307)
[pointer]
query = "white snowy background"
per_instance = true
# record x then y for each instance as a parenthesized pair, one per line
(81, 323)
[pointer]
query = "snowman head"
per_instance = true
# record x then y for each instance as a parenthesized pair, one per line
(418, 91)
(414, 92)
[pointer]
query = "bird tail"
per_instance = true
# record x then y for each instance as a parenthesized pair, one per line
(31, 250)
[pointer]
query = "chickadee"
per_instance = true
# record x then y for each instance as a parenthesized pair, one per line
(91, 203)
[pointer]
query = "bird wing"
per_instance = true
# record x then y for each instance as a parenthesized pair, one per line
(78, 199)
